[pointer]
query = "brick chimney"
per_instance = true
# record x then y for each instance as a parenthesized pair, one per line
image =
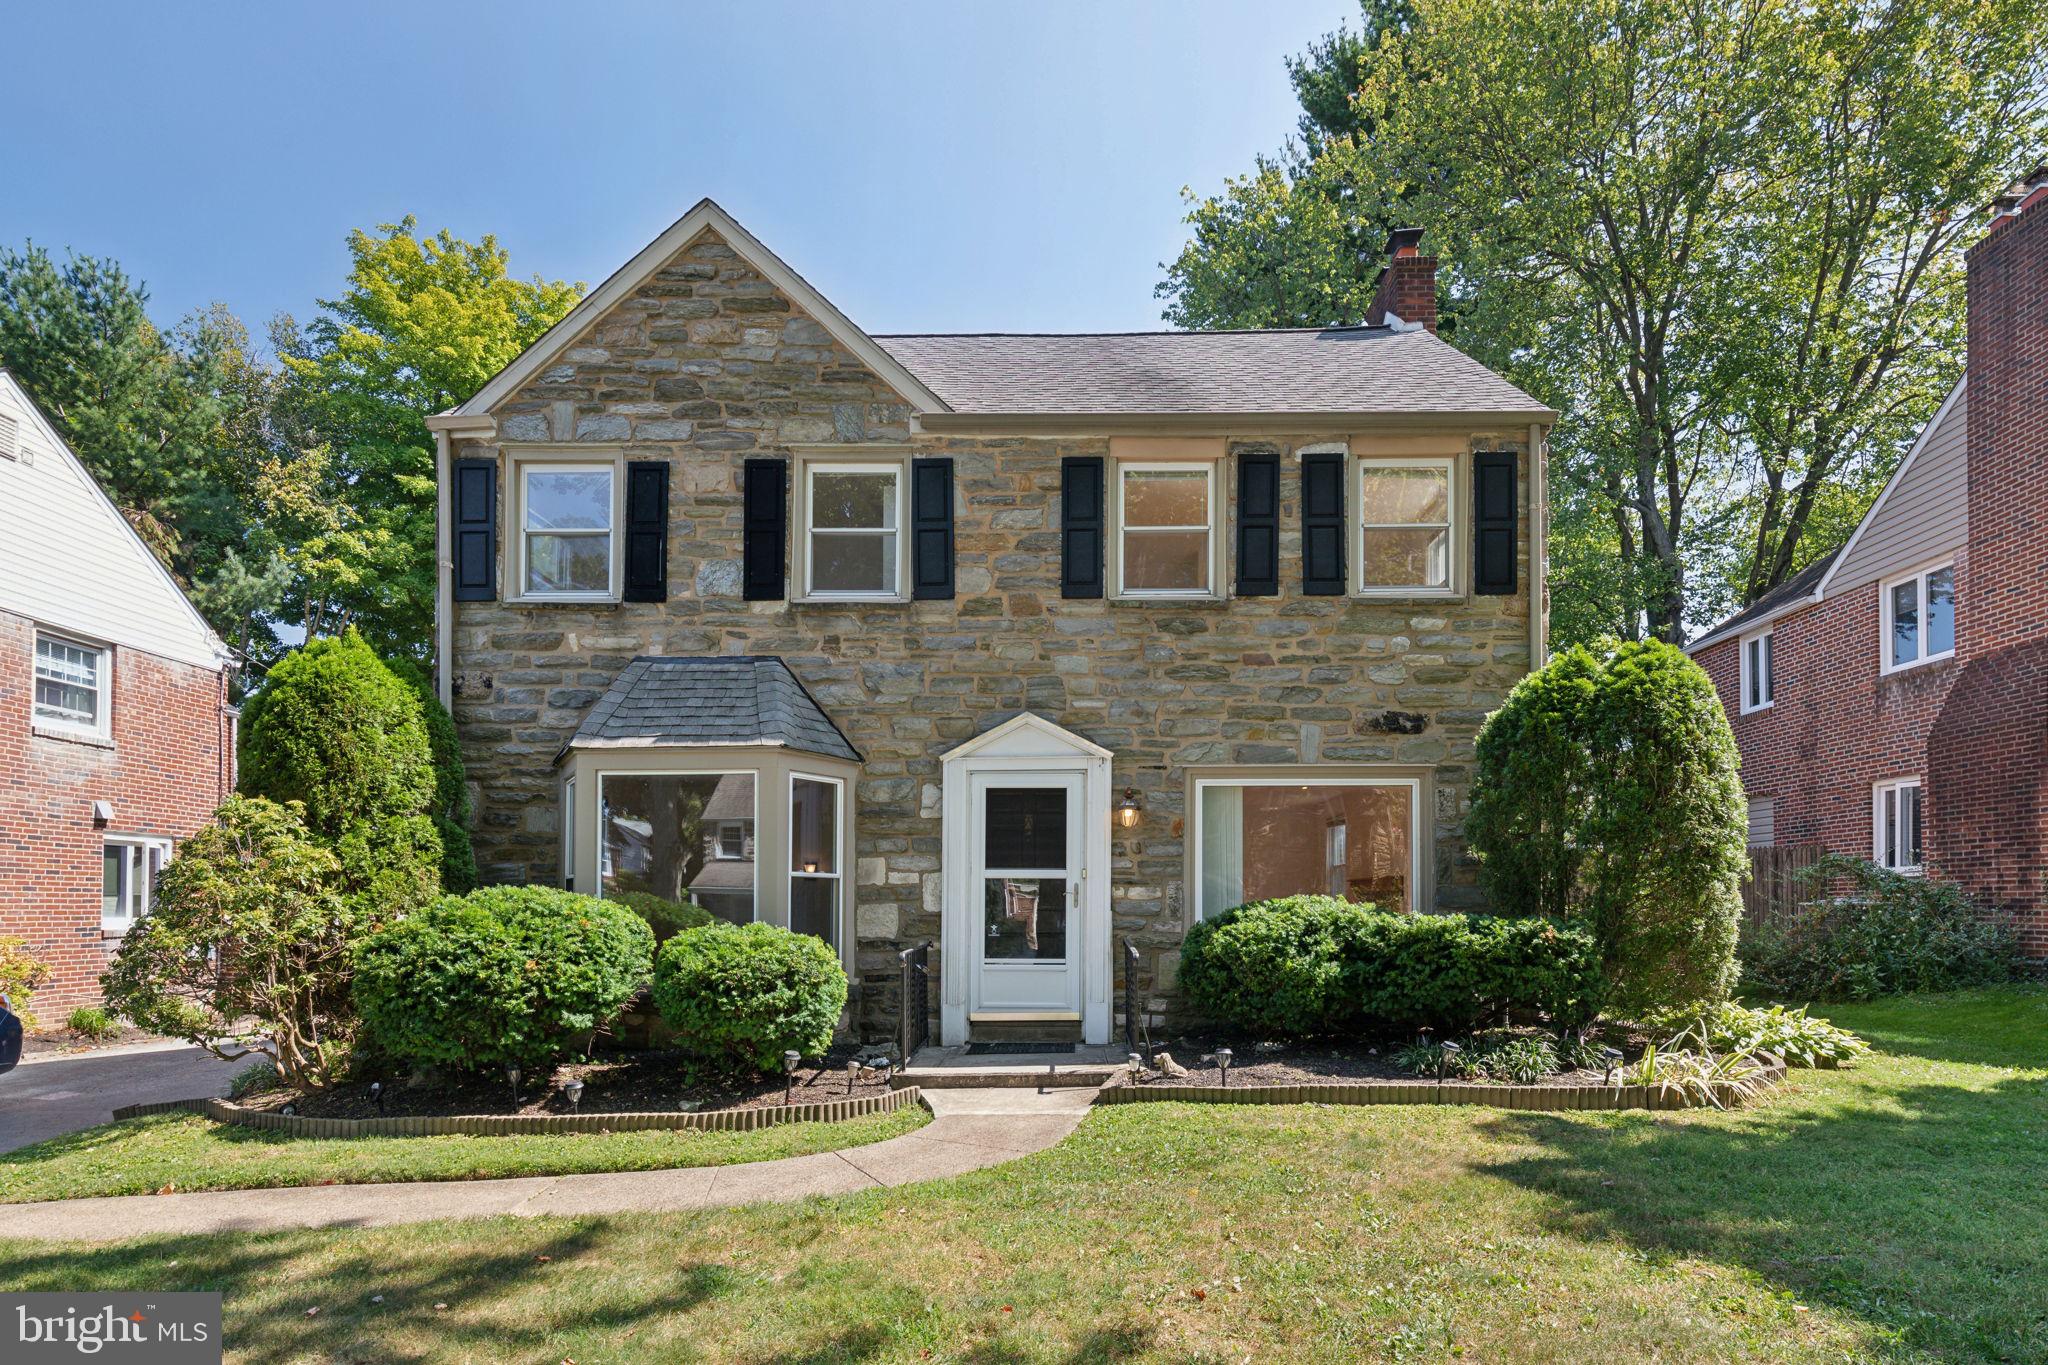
(1406, 297)
(1987, 753)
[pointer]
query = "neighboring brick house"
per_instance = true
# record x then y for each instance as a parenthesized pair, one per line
(116, 733)
(1024, 645)
(1891, 700)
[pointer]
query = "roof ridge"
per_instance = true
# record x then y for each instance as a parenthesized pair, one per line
(1157, 332)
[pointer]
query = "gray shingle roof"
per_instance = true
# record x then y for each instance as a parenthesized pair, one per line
(1327, 370)
(1791, 590)
(712, 700)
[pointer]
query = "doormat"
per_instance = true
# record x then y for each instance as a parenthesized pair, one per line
(1020, 1049)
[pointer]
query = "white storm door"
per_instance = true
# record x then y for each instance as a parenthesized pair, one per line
(1027, 892)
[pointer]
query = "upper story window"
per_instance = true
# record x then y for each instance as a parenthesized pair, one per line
(1757, 682)
(852, 520)
(1919, 617)
(1895, 825)
(1166, 519)
(1406, 511)
(72, 690)
(566, 514)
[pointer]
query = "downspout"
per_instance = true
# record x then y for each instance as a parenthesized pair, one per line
(444, 579)
(1539, 545)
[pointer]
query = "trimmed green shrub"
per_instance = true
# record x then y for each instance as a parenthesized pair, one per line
(247, 940)
(1888, 935)
(335, 730)
(666, 918)
(738, 997)
(451, 809)
(21, 974)
(1606, 793)
(507, 975)
(1309, 965)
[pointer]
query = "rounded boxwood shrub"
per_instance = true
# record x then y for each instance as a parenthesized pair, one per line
(1309, 965)
(1606, 793)
(738, 997)
(508, 975)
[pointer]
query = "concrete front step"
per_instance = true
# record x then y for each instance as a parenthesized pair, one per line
(963, 1077)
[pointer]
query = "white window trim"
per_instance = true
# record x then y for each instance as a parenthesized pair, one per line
(1416, 830)
(1214, 560)
(139, 847)
(800, 548)
(1884, 617)
(554, 461)
(1453, 542)
(718, 834)
(604, 775)
(836, 877)
(102, 728)
(1762, 639)
(1877, 796)
(569, 834)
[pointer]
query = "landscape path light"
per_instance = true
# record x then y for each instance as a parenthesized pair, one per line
(1612, 1056)
(1223, 1059)
(789, 1063)
(572, 1091)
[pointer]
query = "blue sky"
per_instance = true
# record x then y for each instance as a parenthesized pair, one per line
(941, 167)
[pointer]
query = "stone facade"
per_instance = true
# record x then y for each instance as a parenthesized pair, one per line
(706, 364)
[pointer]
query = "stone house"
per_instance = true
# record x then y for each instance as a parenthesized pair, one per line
(1891, 700)
(117, 737)
(1025, 646)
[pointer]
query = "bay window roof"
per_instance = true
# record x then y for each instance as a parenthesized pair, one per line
(711, 701)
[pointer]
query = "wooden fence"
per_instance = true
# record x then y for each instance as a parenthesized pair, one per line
(1774, 888)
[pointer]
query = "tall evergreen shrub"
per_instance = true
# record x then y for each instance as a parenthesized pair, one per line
(452, 808)
(1607, 792)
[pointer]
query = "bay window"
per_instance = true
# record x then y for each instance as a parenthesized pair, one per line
(1895, 821)
(565, 539)
(1919, 618)
(852, 541)
(1406, 512)
(1356, 838)
(1166, 529)
(680, 837)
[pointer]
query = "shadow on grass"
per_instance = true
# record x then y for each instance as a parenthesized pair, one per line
(1917, 1210)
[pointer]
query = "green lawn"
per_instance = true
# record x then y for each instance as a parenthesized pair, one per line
(1894, 1211)
(186, 1152)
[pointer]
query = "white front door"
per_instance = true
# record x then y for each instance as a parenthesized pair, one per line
(1028, 886)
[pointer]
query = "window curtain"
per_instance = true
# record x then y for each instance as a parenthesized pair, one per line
(1222, 849)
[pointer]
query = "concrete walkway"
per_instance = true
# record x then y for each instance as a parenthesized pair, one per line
(970, 1129)
(48, 1096)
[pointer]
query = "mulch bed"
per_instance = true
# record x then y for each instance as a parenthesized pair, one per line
(618, 1083)
(63, 1042)
(1326, 1062)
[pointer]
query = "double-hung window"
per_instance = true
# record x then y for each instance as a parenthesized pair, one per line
(814, 882)
(128, 869)
(566, 541)
(1166, 529)
(71, 686)
(1757, 682)
(1895, 825)
(1406, 511)
(853, 515)
(1920, 618)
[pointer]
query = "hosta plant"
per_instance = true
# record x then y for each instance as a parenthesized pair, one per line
(1793, 1034)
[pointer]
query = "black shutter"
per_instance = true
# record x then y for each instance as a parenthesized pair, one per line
(765, 530)
(646, 531)
(1081, 526)
(1493, 523)
(931, 528)
(1322, 523)
(1258, 524)
(473, 488)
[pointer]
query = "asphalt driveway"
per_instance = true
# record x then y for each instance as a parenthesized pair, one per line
(46, 1098)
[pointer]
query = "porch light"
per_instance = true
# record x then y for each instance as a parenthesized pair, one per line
(572, 1091)
(1129, 809)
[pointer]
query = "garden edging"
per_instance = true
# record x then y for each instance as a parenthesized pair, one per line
(716, 1120)
(1543, 1097)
